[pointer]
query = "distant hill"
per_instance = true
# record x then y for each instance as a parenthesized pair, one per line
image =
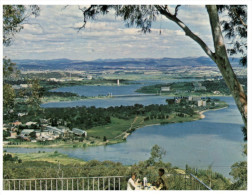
(120, 64)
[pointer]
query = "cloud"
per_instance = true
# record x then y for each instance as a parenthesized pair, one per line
(54, 34)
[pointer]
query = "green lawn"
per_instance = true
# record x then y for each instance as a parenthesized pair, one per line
(115, 128)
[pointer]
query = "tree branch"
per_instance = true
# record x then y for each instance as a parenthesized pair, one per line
(241, 20)
(187, 31)
(218, 40)
(176, 10)
(85, 12)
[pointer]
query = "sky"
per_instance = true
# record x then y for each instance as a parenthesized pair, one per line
(53, 34)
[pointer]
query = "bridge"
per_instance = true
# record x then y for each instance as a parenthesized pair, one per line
(131, 95)
(176, 182)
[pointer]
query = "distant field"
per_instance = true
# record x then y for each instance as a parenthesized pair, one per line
(52, 157)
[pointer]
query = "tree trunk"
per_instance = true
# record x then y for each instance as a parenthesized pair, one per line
(223, 63)
(234, 86)
(220, 56)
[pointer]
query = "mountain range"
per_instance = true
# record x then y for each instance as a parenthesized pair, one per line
(118, 64)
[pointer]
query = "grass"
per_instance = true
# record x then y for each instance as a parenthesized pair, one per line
(115, 128)
(49, 157)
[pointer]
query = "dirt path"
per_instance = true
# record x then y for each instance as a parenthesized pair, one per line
(131, 125)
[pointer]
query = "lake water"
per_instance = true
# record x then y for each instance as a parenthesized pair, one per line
(215, 141)
(90, 91)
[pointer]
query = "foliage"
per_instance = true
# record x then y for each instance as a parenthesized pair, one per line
(157, 154)
(54, 166)
(239, 173)
(213, 179)
(8, 98)
(187, 87)
(9, 69)
(34, 99)
(14, 17)
(235, 28)
(9, 157)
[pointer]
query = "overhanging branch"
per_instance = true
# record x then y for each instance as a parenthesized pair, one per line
(187, 31)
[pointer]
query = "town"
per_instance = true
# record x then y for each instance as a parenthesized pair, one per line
(34, 132)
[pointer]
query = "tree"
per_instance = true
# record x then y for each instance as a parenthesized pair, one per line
(34, 99)
(8, 98)
(143, 15)
(14, 17)
(9, 69)
(157, 154)
(33, 135)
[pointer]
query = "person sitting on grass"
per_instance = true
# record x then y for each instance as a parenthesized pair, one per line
(131, 185)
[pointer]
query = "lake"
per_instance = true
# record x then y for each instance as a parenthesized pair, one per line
(215, 141)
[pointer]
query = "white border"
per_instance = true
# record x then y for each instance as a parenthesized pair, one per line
(134, 2)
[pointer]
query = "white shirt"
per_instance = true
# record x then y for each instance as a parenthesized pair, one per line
(131, 185)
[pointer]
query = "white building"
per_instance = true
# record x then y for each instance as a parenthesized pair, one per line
(201, 103)
(54, 130)
(165, 88)
(30, 123)
(79, 132)
(25, 85)
(26, 132)
(89, 77)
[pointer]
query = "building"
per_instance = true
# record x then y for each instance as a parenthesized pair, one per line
(79, 132)
(30, 123)
(20, 114)
(196, 99)
(89, 77)
(42, 133)
(13, 134)
(54, 130)
(216, 92)
(177, 100)
(25, 85)
(164, 89)
(26, 132)
(16, 87)
(16, 123)
(201, 103)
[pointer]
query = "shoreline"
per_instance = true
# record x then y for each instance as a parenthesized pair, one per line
(121, 138)
(201, 113)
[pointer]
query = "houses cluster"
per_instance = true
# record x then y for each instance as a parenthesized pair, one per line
(44, 133)
(24, 86)
(199, 101)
